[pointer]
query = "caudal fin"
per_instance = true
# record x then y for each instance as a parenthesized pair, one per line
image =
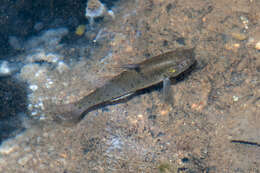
(67, 114)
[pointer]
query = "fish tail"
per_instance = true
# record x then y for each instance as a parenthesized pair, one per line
(67, 114)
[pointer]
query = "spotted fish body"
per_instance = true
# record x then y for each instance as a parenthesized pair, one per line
(139, 76)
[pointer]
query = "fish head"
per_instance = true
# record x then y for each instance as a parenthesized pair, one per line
(178, 62)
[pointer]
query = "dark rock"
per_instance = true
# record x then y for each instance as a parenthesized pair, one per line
(13, 99)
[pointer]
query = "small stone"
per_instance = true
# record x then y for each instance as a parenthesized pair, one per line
(34, 113)
(235, 98)
(234, 46)
(25, 159)
(80, 30)
(164, 112)
(62, 67)
(4, 68)
(257, 45)
(239, 36)
(129, 49)
(33, 87)
(140, 116)
(111, 13)
(245, 21)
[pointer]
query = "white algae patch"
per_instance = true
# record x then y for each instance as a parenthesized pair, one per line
(41, 62)
(41, 55)
(34, 73)
(4, 68)
(50, 39)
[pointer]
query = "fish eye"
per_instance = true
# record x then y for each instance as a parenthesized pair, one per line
(183, 64)
(172, 70)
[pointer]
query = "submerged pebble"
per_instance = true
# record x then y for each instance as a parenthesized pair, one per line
(257, 45)
(239, 36)
(80, 30)
(33, 87)
(50, 39)
(4, 68)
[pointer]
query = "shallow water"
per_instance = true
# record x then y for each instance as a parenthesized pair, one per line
(217, 102)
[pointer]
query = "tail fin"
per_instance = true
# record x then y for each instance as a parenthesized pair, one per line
(67, 114)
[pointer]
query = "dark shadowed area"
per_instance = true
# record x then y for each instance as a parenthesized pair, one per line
(13, 99)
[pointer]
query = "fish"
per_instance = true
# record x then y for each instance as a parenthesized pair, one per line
(134, 77)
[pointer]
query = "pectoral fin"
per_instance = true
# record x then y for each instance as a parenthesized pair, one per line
(167, 94)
